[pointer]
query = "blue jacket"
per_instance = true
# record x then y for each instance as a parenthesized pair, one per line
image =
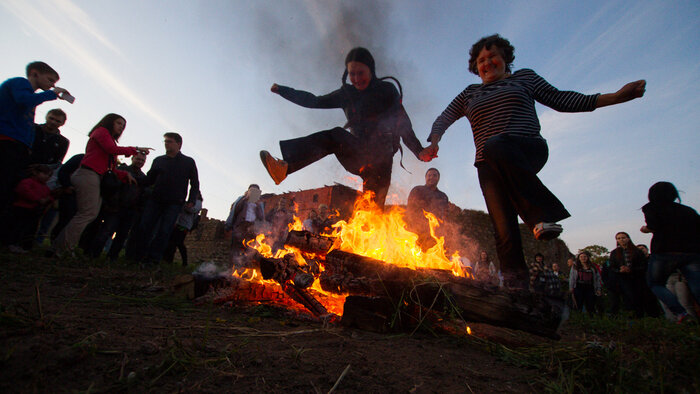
(17, 103)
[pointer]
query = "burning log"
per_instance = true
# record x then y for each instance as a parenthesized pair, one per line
(293, 279)
(303, 297)
(309, 242)
(522, 310)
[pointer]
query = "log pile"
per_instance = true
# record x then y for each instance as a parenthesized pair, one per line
(383, 297)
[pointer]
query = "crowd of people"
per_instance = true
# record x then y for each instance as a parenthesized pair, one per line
(91, 202)
(94, 203)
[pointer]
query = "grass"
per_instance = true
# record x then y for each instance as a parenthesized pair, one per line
(611, 355)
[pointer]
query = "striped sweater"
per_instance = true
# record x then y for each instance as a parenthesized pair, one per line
(508, 106)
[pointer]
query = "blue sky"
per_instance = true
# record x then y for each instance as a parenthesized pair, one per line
(204, 68)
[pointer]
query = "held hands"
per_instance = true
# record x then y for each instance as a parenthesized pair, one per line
(429, 153)
(275, 88)
(624, 269)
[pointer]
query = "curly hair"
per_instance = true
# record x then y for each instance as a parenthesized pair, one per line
(503, 45)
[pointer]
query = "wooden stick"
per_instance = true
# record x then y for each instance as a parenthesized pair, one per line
(337, 382)
(38, 301)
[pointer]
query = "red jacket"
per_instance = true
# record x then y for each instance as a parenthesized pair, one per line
(29, 191)
(100, 151)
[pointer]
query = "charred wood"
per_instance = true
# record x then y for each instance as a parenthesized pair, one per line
(309, 242)
(437, 289)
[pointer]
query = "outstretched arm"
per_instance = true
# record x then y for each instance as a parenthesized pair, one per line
(626, 93)
(306, 99)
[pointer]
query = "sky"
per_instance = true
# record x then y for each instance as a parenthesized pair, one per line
(204, 69)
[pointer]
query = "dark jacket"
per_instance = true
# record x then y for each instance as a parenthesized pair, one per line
(676, 228)
(48, 148)
(374, 115)
(637, 260)
(170, 176)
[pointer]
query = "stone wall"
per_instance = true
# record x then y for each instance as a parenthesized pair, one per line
(470, 231)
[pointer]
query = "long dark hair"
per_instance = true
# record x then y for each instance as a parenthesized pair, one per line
(577, 261)
(108, 123)
(361, 55)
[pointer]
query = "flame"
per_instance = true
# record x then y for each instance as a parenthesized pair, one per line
(469, 330)
(371, 233)
(384, 236)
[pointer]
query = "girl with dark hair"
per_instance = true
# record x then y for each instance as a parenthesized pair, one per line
(510, 150)
(584, 283)
(674, 245)
(100, 153)
(376, 122)
(628, 265)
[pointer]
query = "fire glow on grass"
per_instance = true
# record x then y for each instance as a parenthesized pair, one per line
(372, 233)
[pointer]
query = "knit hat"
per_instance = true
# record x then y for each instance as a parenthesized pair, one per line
(361, 55)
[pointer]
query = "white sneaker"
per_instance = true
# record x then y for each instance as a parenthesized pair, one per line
(545, 231)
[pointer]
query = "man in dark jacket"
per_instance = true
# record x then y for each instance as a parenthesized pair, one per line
(49, 145)
(169, 175)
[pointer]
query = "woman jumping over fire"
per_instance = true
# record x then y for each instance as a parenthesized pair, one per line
(376, 122)
(510, 150)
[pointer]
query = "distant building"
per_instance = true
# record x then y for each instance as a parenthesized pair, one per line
(337, 197)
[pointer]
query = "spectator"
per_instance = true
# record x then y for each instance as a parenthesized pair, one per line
(170, 175)
(245, 217)
(426, 198)
(485, 270)
(326, 219)
(67, 207)
(584, 283)
(49, 146)
(675, 244)
(18, 100)
(186, 221)
(556, 272)
(279, 219)
(32, 198)
(311, 222)
(120, 211)
(627, 264)
(100, 153)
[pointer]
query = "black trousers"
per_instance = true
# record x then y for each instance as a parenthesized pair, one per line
(14, 157)
(511, 188)
(371, 161)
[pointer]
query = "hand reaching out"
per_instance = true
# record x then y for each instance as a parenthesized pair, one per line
(275, 88)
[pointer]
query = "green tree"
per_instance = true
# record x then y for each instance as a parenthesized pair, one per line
(598, 253)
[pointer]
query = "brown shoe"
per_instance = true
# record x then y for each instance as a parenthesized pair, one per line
(275, 167)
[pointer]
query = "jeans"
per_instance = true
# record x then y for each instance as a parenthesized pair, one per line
(511, 188)
(157, 223)
(662, 265)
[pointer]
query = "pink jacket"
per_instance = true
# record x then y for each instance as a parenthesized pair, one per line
(29, 191)
(100, 150)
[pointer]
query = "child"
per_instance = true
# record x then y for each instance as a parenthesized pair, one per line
(33, 196)
(18, 101)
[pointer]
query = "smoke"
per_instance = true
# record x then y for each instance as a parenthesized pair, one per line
(308, 48)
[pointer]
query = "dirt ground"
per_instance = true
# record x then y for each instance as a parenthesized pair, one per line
(89, 327)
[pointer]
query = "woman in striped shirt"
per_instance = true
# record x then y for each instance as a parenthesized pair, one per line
(510, 150)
